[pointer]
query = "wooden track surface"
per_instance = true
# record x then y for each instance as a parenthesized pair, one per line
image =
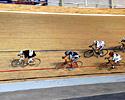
(55, 32)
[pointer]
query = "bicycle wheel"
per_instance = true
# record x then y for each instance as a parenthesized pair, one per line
(36, 62)
(79, 64)
(118, 48)
(88, 53)
(104, 52)
(121, 48)
(16, 63)
(104, 66)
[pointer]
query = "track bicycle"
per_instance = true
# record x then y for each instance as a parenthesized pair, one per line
(109, 64)
(69, 65)
(21, 63)
(92, 52)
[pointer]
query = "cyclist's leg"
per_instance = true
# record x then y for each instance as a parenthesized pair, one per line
(30, 60)
(97, 51)
(66, 59)
(114, 63)
(21, 58)
(74, 62)
(110, 62)
(101, 50)
(26, 60)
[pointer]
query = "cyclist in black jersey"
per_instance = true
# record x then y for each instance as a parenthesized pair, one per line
(27, 55)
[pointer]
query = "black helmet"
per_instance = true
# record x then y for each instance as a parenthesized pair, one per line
(111, 53)
(68, 52)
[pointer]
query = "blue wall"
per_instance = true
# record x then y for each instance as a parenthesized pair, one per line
(5, 1)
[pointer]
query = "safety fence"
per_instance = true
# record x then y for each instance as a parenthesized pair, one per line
(88, 3)
(72, 3)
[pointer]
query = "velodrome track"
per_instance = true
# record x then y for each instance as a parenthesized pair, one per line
(55, 32)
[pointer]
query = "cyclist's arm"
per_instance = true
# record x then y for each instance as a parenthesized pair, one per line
(65, 57)
(91, 45)
(21, 56)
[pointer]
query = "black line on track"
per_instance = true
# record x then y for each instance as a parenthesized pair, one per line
(14, 79)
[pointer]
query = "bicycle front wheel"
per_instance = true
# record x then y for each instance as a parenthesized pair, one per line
(36, 62)
(15, 63)
(88, 53)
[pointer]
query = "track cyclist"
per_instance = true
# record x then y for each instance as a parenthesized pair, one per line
(114, 58)
(27, 56)
(99, 46)
(70, 57)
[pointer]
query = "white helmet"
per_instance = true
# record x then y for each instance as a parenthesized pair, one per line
(123, 38)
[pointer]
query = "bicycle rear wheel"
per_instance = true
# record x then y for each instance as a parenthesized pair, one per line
(88, 53)
(104, 66)
(117, 48)
(16, 63)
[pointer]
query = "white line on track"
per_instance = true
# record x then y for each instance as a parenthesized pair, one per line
(61, 13)
(18, 86)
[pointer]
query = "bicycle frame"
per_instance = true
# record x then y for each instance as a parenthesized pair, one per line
(26, 60)
(68, 65)
(95, 52)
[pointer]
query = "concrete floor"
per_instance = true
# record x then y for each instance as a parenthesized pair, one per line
(108, 91)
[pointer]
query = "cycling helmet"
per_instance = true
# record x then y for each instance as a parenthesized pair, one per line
(95, 41)
(123, 38)
(21, 52)
(68, 52)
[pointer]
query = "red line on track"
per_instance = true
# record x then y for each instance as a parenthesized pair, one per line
(30, 69)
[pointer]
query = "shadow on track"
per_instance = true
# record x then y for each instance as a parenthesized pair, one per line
(115, 96)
